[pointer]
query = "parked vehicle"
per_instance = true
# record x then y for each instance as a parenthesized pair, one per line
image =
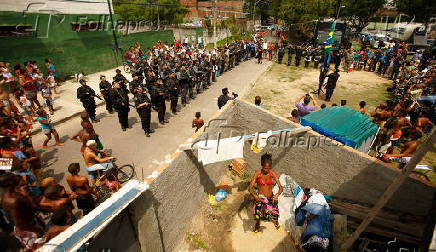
(342, 37)
(417, 35)
(262, 28)
(375, 40)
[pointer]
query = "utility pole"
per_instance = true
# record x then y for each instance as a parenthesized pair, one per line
(254, 9)
(158, 19)
(113, 29)
(214, 22)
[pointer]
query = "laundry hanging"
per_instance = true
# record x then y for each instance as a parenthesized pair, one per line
(212, 151)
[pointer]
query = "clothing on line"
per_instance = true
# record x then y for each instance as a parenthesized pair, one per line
(212, 151)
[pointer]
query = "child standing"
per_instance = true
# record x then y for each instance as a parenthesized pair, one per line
(198, 122)
(47, 128)
(26, 105)
(48, 97)
(39, 79)
(52, 81)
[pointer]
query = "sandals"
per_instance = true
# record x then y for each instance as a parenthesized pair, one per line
(256, 228)
(278, 227)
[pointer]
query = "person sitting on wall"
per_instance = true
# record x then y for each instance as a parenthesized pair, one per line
(265, 205)
(294, 116)
(407, 151)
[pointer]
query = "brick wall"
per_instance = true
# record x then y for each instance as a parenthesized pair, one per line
(201, 9)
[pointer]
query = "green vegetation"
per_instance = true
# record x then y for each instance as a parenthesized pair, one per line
(299, 15)
(422, 10)
(195, 241)
(168, 11)
(360, 12)
(229, 39)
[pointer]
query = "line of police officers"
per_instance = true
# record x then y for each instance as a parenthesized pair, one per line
(167, 75)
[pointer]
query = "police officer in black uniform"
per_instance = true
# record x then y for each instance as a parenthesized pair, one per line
(331, 84)
(280, 54)
(158, 91)
(183, 78)
(120, 79)
(86, 95)
(105, 88)
(214, 67)
(173, 91)
(149, 82)
(135, 83)
(224, 98)
(121, 104)
(290, 52)
(298, 55)
(322, 75)
(198, 76)
(143, 107)
(191, 81)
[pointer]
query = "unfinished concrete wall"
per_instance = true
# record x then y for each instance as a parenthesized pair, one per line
(335, 170)
(162, 215)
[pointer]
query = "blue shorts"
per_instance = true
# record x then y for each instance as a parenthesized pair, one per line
(93, 170)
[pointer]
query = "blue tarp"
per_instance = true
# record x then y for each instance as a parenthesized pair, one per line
(342, 124)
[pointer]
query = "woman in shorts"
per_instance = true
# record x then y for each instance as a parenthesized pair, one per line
(47, 128)
(48, 97)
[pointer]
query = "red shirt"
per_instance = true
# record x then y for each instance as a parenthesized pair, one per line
(30, 86)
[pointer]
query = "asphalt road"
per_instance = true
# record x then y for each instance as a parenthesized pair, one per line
(133, 146)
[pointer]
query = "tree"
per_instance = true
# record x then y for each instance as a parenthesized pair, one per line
(168, 11)
(359, 12)
(300, 16)
(422, 10)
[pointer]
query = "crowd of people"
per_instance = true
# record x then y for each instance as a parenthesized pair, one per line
(34, 207)
(404, 119)
(172, 72)
(164, 72)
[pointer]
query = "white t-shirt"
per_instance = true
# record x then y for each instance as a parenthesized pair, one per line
(265, 46)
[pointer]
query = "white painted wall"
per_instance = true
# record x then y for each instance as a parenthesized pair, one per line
(56, 6)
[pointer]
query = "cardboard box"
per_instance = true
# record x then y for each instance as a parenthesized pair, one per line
(239, 165)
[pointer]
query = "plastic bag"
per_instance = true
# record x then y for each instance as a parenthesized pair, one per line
(212, 200)
(220, 195)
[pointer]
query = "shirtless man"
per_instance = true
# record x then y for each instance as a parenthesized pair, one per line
(9, 106)
(80, 185)
(407, 151)
(29, 228)
(383, 140)
(382, 115)
(93, 162)
(56, 199)
(402, 122)
(423, 123)
(82, 136)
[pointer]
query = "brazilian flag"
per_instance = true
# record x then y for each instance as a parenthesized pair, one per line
(328, 45)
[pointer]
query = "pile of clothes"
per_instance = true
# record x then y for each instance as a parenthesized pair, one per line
(306, 213)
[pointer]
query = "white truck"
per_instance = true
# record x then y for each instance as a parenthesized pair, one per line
(417, 35)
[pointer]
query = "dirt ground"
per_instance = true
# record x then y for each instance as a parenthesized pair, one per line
(281, 86)
(228, 225)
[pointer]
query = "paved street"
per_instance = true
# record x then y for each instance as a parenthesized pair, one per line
(132, 146)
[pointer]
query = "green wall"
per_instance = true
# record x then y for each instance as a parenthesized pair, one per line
(71, 51)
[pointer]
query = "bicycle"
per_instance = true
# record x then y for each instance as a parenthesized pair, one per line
(128, 67)
(119, 174)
